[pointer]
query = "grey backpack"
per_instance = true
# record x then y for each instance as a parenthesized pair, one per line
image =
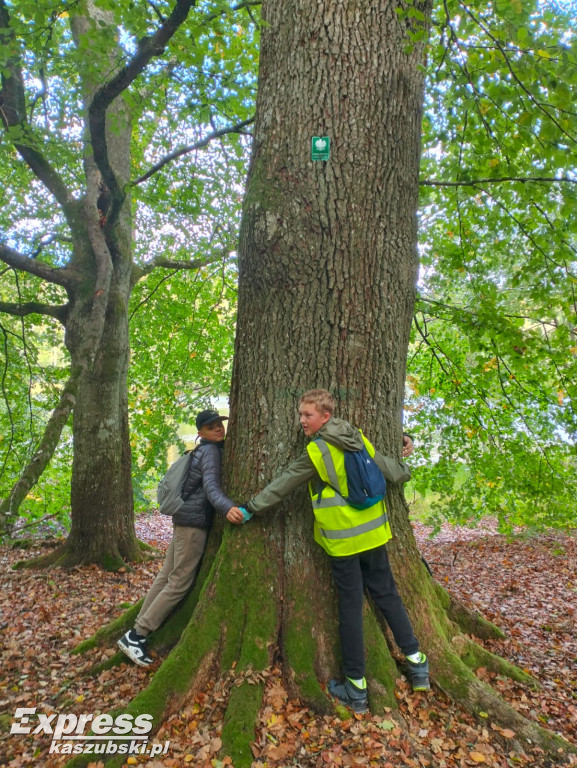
(168, 493)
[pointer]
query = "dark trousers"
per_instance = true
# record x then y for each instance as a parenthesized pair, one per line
(352, 574)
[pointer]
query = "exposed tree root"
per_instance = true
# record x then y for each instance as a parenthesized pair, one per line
(471, 622)
(475, 656)
(457, 681)
(112, 560)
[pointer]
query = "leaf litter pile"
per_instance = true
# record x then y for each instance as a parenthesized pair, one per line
(526, 585)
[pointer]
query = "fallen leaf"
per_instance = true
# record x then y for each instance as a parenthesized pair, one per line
(386, 725)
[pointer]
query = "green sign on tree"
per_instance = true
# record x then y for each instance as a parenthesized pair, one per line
(320, 148)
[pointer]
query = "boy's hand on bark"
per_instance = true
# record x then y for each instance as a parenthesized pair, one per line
(408, 446)
(235, 516)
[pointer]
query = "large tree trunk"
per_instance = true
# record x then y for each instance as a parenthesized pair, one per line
(102, 528)
(102, 510)
(328, 267)
(328, 264)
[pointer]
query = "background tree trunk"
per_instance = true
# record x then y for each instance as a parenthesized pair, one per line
(102, 529)
(102, 507)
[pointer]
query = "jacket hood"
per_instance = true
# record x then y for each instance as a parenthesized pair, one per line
(341, 434)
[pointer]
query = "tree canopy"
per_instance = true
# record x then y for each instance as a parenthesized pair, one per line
(492, 374)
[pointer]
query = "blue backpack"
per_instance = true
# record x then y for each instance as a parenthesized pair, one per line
(365, 480)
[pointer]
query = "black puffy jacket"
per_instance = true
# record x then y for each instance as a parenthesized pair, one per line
(201, 491)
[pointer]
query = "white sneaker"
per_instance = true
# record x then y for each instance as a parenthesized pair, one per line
(134, 646)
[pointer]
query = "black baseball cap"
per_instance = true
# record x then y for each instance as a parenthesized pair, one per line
(208, 417)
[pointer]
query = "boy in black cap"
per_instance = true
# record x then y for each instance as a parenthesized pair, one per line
(202, 494)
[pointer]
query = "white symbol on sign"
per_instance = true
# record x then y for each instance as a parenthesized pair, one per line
(320, 144)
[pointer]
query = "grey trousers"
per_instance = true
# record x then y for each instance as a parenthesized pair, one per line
(175, 578)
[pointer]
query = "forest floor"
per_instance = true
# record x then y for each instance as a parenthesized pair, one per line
(527, 585)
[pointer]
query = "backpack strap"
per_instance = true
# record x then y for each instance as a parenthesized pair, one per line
(194, 455)
(329, 466)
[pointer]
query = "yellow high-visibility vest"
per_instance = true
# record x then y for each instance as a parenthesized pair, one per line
(339, 528)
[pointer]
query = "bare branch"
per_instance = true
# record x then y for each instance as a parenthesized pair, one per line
(175, 264)
(159, 15)
(148, 47)
(59, 276)
(35, 308)
(13, 117)
(192, 147)
(44, 241)
(499, 180)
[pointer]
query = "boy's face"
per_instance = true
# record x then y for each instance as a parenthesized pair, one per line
(311, 418)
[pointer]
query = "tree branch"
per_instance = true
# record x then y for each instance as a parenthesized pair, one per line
(37, 464)
(174, 264)
(148, 47)
(13, 117)
(13, 258)
(35, 308)
(506, 58)
(192, 147)
(248, 4)
(498, 180)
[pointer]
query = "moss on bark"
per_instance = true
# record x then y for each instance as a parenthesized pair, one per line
(468, 620)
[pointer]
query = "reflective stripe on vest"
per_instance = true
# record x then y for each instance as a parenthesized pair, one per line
(356, 531)
(339, 528)
(329, 466)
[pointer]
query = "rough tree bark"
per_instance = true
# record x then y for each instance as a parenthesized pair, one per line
(328, 264)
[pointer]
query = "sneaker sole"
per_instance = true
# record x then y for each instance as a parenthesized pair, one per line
(128, 651)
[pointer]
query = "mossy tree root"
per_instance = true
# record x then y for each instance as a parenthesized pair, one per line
(453, 657)
(234, 624)
(261, 589)
(468, 620)
(475, 656)
(112, 631)
(64, 557)
(457, 680)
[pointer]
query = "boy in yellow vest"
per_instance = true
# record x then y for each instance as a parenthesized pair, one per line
(354, 539)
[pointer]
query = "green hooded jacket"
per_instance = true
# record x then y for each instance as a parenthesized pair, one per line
(340, 434)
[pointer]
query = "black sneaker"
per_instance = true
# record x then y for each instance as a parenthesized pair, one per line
(348, 693)
(418, 674)
(134, 646)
